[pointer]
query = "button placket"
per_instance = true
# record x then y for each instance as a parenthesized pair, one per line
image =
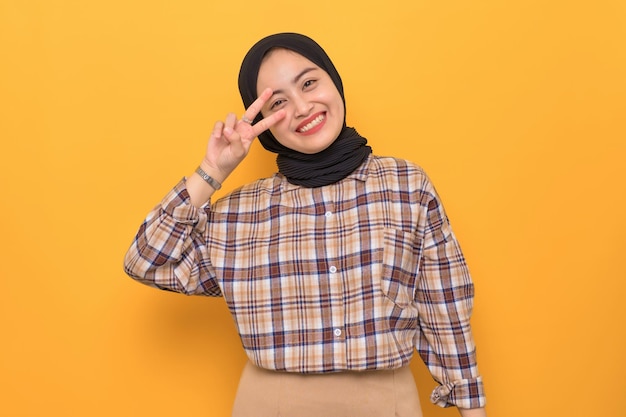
(335, 277)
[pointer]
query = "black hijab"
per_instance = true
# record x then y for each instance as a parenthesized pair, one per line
(332, 164)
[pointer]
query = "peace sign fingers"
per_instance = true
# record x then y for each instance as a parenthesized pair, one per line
(255, 108)
(231, 138)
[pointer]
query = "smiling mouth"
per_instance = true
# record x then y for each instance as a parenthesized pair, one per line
(312, 124)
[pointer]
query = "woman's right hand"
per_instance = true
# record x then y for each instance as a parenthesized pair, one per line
(231, 139)
(228, 145)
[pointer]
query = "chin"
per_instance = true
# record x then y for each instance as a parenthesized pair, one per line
(316, 149)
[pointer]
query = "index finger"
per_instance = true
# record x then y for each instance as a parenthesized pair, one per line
(255, 108)
(268, 122)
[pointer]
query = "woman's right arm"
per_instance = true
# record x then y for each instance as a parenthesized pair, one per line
(169, 251)
(229, 144)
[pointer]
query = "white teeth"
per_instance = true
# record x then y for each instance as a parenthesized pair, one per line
(312, 124)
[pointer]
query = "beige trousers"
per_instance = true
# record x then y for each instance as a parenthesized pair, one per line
(264, 393)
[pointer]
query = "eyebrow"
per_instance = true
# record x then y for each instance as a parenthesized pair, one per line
(297, 78)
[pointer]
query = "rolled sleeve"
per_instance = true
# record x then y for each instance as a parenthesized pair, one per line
(467, 393)
(169, 250)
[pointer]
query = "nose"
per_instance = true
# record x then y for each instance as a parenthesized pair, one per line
(302, 106)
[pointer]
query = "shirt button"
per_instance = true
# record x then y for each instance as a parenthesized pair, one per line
(328, 214)
(337, 332)
(333, 269)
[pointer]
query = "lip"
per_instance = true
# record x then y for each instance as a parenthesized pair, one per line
(308, 120)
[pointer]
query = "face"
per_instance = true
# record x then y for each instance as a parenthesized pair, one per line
(314, 108)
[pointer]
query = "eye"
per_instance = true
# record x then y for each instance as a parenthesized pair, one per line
(308, 83)
(276, 103)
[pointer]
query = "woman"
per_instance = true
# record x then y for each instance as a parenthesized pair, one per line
(335, 269)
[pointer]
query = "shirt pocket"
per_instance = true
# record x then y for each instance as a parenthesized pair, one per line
(400, 265)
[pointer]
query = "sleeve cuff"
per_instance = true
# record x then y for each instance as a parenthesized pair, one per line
(467, 393)
(177, 204)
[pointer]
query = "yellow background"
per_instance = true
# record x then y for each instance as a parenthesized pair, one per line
(515, 108)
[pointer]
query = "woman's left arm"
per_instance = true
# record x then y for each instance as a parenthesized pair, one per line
(444, 300)
(473, 412)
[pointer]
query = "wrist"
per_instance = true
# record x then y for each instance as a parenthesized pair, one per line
(208, 178)
(200, 190)
(212, 171)
(472, 412)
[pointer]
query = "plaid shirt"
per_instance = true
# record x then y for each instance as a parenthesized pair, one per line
(356, 275)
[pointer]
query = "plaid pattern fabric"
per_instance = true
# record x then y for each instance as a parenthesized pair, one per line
(355, 275)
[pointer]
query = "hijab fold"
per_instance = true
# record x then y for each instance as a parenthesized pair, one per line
(334, 163)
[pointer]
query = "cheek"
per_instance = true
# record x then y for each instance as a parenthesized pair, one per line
(279, 129)
(335, 102)
(339, 108)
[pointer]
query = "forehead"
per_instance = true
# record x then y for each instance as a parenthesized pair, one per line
(283, 54)
(279, 64)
